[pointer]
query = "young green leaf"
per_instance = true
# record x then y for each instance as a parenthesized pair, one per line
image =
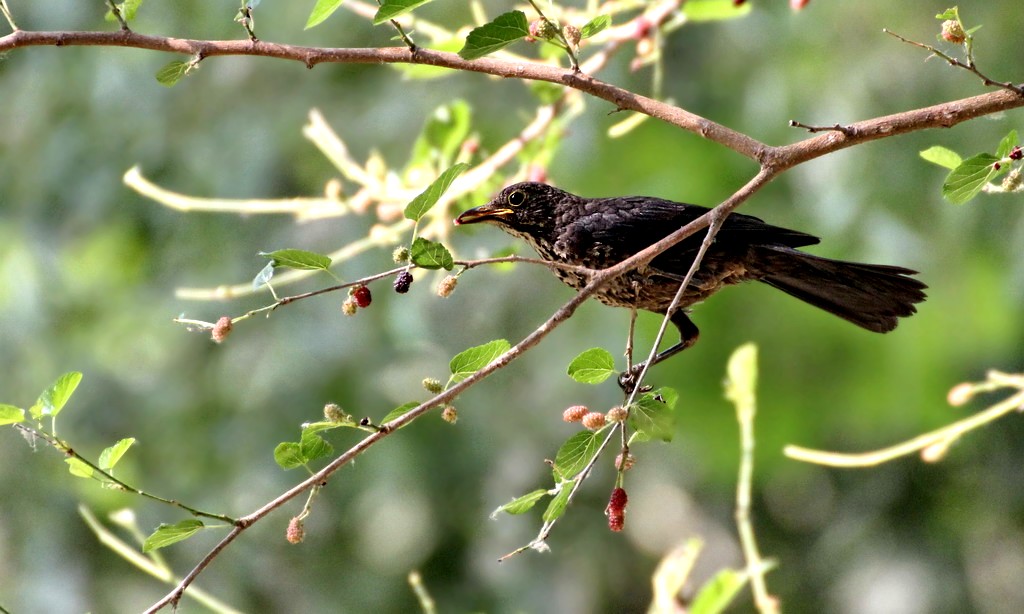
(557, 506)
(521, 505)
(53, 399)
(78, 468)
(718, 592)
(389, 9)
(943, 157)
(10, 414)
(167, 534)
(595, 25)
(593, 366)
(714, 10)
(443, 133)
(490, 37)
(419, 206)
(313, 446)
(288, 454)
(575, 454)
(401, 410)
(1005, 145)
(652, 416)
(298, 259)
(110, 456)
(264, 276)
(965, 181)
(172, 72)
(128, 9)
(468, 362)
(430, 255)
(322, 10)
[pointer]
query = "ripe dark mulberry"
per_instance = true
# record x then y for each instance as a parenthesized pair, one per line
(403, 281)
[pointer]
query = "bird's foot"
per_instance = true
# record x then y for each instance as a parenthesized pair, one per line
(629, 378)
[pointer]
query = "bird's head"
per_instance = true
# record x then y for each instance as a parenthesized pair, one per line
(527, 209)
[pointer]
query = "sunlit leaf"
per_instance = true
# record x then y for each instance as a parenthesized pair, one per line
(53, 399)
(718, 592)
(1005, 145)
(10, 414)
(167, 534)
(575, 454)
(399, 411)
(313, 446)
(78, 467)
(468, 362)
(490, 37)
(430, 255)
(321, 11)
(943, 157)
(288, 454)
(593, 366)
(595, 25)
(110, 456)
(521, 505)
(389, 9)
(557, 506)
(298, 259)
(965, 181)
(172, 72)
(419, 206)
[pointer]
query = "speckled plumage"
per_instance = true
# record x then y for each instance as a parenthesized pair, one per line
(600, 232)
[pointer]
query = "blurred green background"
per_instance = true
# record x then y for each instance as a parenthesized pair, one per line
(88, 271)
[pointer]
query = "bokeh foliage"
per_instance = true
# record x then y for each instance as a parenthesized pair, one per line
(88, 271)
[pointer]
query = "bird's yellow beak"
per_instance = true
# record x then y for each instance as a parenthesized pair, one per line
(483, 213)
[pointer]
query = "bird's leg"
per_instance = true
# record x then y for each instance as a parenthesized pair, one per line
(688, 334)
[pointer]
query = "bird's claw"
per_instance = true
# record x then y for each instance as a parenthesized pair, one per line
(629, 378)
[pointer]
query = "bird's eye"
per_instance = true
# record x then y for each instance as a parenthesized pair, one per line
(516, 198)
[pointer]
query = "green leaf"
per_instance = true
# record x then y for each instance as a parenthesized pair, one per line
(595, 25)
(288, 454)
(575, 454)
(167, 534)
(78, 468)
(593, 366)
(714, 10)
(718, 592)
(110, 456)
(10, 414)
(430, 255)
(419, 206)
(399, 411)
(128, 9)
(313, 446)
(521, 505)
(952, 13)
(53, 399)
(298, 259)
(468, 362)
(557, 506)
(652, 415)
(172, 72)
(264, 276)
(1005, 145)
(943, 157)
(321, 11)
(490, 37)
(389, 9)
(965, 181)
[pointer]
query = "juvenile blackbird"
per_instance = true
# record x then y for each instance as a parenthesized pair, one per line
(600, 232)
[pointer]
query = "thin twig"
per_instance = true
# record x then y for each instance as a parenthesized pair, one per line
(968, 66)
(7, 15)
(116, 12)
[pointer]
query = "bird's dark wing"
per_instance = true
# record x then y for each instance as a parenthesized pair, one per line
(632, 223)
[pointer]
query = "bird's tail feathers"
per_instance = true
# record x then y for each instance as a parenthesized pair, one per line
(872, 296)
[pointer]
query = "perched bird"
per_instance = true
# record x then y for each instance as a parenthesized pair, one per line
(600, 232)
